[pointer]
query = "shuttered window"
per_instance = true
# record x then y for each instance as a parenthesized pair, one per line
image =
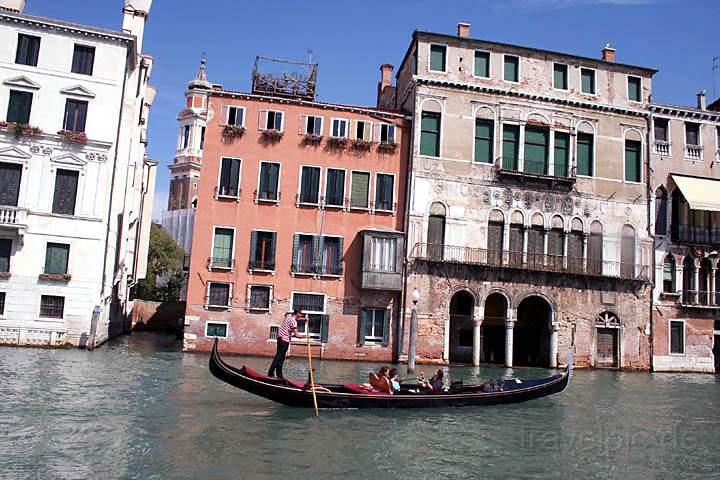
(587, 80)
(52, 306)
(634, 89)
(555, 249)
(585, 161)
(677, 337)
(359, 190)
(10, 175)
(317, 325)
(223, 248)
(216, 330)
(561, 154)
(632, 161)
(560, 76)
(575, 251)
(384, 192)
(335, 187)
(374, 326)
(495, 242)
(660, 129)
(66, 184)
(56, 258)
(219, 294)
(28, 50)
(627, 253)
(262, 250)
(484, 141)
(536, 247)
(436, 236)
(229, 177)
(259, 297)
(5, 252)
(332, 254)
(339, 128)
(75, 115)
(310, 185)
(383, 254)
(536, 150)
(19, 107)
(274, 120)
(517, 241)
(430, 134)
(269, 176)
(511, 68)
(438, 54)
(304, 247)
(387, 133)
(595, 254)
(482, 64)
(83, 60)
(511, 135)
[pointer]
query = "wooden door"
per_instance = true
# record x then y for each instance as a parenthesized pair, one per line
(436, 236)
(495, 243)
(606, 351)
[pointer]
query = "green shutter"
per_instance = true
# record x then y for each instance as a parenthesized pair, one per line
(511, 133)
(632, 161)
(510, 72)
(386, 328)
(585, 154)
(482, 64)
(362, 318)
(339, 258)
(634, 89)
(562, 146)
(222, 247)
(437, 57)
(483, 141)
(588, 80)
(56, 258)
(560, 73)
(359, 190)
(253, 249)
(19, 107)
(430, 134)
(296, 244)
(536, 150)
(271, 251)
(5, 252)
(324, 328)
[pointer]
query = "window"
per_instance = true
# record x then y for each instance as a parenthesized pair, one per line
(66, 184)
(75, 115)
(438, 54)
(19, 107)
(669, 274)
(2, 303)
(661, 202)
(627, 252)
(387, 133)
(52, 306)
(677, 337)
(560, 76)
(339, 128)
(262, 250)
(587, 81)
(5, 252)
(585, 158)
(383, 258)
(332, 255)
(562, 147)
(56, 258)
(273, 120)
(633, 171)
(303, 253)
(314, 306)
(28, 49)
(661, 129)
(213, 329)
(10, 176)
(218, 294)
(313, 125)
(235, 116)
(536, 150)
(83, 60)
(202, 137)
(222, 254)
(484, 140)
(269, 180)
(374, 326)
(310, 185)
(229, 183)
(634, 89)
(259, 297)
(511, 135)
(335, 187)
(359, 190)
(511, 68)
(363, 130)
(430, 134)
(384, 192)
(692, 134)
(482, 64)
(185, 136)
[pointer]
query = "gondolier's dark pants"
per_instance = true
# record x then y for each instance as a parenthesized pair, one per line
(277, 363)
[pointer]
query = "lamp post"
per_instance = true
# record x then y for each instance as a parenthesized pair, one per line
(413, 332)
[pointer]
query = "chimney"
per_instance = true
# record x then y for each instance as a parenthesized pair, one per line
(12, 5)
(608, 53)
(701, 104)
(386, 71)
(463, 30)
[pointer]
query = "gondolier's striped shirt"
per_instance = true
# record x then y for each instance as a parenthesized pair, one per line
(287, 327)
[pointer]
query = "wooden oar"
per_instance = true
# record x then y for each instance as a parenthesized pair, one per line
(312, 376)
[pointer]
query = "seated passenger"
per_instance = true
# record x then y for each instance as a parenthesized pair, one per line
(435, 384)
(394, 379)
(380, 381)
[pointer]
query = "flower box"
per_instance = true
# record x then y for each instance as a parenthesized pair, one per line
(387, 146)
(20, 129)
(337, 142)
(73, 137)
(272, 135)
(360, 144)
(311, 138)
(233, 131)
(5, 275)
(53, 277)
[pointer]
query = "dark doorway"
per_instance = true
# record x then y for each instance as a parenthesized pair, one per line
(436, 231)
(531, 335)
(462, 305)
(607, 346)
(493, 329)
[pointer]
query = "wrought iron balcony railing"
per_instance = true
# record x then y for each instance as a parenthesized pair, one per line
(557, 172)
(265, 264)
(696, 234)
(700, 298)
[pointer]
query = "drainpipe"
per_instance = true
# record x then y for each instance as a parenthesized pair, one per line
(651, 334)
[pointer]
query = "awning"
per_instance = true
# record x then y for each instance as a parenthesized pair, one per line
(700, 193)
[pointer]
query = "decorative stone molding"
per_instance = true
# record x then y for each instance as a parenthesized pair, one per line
(41, 150)
(96, 157)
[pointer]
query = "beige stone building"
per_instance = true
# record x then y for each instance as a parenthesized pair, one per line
(527, 215)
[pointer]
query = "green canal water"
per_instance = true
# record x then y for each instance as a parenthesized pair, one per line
(138, 408)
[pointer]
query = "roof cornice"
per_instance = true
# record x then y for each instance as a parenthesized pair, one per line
(61, 26)
(685, 112)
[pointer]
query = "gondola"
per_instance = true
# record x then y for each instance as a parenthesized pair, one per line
(299, 394)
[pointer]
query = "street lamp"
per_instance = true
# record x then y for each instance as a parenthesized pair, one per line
(413, 331)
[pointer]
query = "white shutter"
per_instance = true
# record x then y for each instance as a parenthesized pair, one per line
(262, 121)
(247, 296)
(368, 131)
(376, 132)
(353, 129)
(322, 125)
(224, 112)
(302, 126)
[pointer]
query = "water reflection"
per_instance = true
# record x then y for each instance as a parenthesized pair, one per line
(138, 408)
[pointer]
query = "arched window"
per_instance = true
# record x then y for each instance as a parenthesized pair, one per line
(496, 228)
(661, 199)
(595, 249)
(669, 274)
(576, 261)
(627, 252)
(556, 243)
(704, 278)
(536, 242)
(517, 239)
(688, 280)
(436, 231)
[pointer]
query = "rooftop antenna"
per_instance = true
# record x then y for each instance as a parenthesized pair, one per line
(310, 52)
(715, 67)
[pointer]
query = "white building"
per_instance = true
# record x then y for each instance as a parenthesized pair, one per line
(76, 187)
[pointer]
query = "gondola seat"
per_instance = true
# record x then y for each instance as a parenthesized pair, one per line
(355, 388)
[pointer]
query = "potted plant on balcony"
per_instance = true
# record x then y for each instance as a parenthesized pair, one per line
(337, 142)
(55, 277)
(20, 129)
(388, 147)
(73, 137)
(312, 139)
(272, 135)
(5, 275)
(233, 131)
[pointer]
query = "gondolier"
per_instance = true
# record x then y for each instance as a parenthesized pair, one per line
(287, 330)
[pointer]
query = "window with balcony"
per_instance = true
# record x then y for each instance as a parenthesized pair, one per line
(430, 134)
(262, 250)
(5, 253)
(669, 274)
(677, 337)
(387, 133)
(335, 187)
(339, 128)
(309, 185)
(536, 150)
(511, 147)
(218, 294)
(313, 305)
(585, 156)
(332, 255)
(271, 120)
(259, 297)
(438, 58)
(268, 185)
(482, 64)
(19, 107)
(75, 115)
(28, 50)
(587, 81)
(56, 258)
(384, 192)
(83, 60)
(627, 252)
(561, 154)
(484, 140)
(661, 132)
(304, 253)
(66, 185)
(313, 125)
(633, 161)
(692, 134)
(560, 76)
(516, 243)
(52, 306)
(10, 176)
(222, 249)
(229, 180)
(634, 86)
(511, 68)
(360, 190)
(235, 116)
(374, 326)
(215, 329)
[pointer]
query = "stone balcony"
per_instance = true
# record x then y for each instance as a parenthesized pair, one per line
(700, 299)
(525, 170)
(694, 152)
(13, 218)
(661, 148)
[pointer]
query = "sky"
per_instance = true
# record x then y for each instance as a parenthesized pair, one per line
(350, 40)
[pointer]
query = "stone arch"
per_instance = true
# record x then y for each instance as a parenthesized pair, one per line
(531, 332)
(538, 118)
(608, 332)
(585, 126)
(537, 220)
(633, 133)
(493, 329)
(558, 222)
(485, 112)
(432, 105)
(577, 224)
(437, 207)
(518, 300)
(496, 215)
(461, 309)
(517, 217)
(465, 288)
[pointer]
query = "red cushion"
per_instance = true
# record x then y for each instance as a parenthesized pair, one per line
(253, 374)
(360, 389)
